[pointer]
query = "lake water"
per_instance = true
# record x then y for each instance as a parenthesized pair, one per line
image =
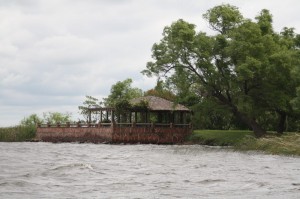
(71, 170)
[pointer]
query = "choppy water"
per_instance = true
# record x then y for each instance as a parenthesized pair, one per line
(46, 170)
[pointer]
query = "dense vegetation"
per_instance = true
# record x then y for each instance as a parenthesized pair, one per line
(17, 134)
(26, 130)
(288, 144)
(246, 75)
(219, 137)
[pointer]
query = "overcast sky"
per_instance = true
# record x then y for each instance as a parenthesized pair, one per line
(54, 52)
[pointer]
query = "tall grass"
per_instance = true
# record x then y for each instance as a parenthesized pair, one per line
(218, 137)
(17, 133)
(287, 144)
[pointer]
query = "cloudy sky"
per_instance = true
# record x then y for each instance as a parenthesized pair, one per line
(54, 52)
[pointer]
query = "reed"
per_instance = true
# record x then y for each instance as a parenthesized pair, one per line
(18, 133)
(287, 144)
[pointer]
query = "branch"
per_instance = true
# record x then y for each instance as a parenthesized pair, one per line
(191, 67)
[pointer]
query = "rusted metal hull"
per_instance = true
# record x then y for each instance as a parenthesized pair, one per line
(114, 134)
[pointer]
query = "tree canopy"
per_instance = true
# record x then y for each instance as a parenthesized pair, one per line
(245, 66)
(120, 92)
(89, 102)
(51, 117)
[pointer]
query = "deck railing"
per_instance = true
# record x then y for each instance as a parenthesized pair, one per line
(97, 125)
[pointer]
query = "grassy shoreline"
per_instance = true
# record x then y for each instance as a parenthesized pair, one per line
(240, 140)
(287, 144)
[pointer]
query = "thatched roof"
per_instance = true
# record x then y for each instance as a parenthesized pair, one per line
(159, 104)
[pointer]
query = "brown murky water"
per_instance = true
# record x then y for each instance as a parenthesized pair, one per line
(70, 170)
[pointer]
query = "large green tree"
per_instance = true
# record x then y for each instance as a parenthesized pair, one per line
(121, 92)
(244, 65)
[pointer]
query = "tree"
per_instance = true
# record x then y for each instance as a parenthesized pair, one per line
(56, 117)
(31, 120)
(120, 95)
(209, 114)
(238, 66)
(160, 90)
(89, 102)
(120, 92)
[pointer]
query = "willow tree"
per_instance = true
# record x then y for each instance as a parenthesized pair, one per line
(232, 66)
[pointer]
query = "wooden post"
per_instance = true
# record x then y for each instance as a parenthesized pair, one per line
(100, 116)
(181, 117)
(172, 117)
(146, 117)
(133, 124)
(90, 117)
(112, 116)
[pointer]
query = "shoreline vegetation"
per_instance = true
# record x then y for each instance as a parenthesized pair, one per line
(240, 140)
(243, 140)
(18, 133)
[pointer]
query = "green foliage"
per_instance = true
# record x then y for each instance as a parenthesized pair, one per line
(142, 105)
(120, 92)
(122, 106)
(210, 115)
(223, 18)
(89, 102)
(218, 137)
(246, 66)
(264, 20)
(31, 120)
(18, 133)
(56, 117)
(288, 144)
(26, 131)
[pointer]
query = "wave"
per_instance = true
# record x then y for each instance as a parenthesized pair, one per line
(75, 165)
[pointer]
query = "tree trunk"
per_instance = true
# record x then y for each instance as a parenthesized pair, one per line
(281, 122)
(257, 129)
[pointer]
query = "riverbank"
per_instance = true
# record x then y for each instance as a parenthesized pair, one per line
(240, 140)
